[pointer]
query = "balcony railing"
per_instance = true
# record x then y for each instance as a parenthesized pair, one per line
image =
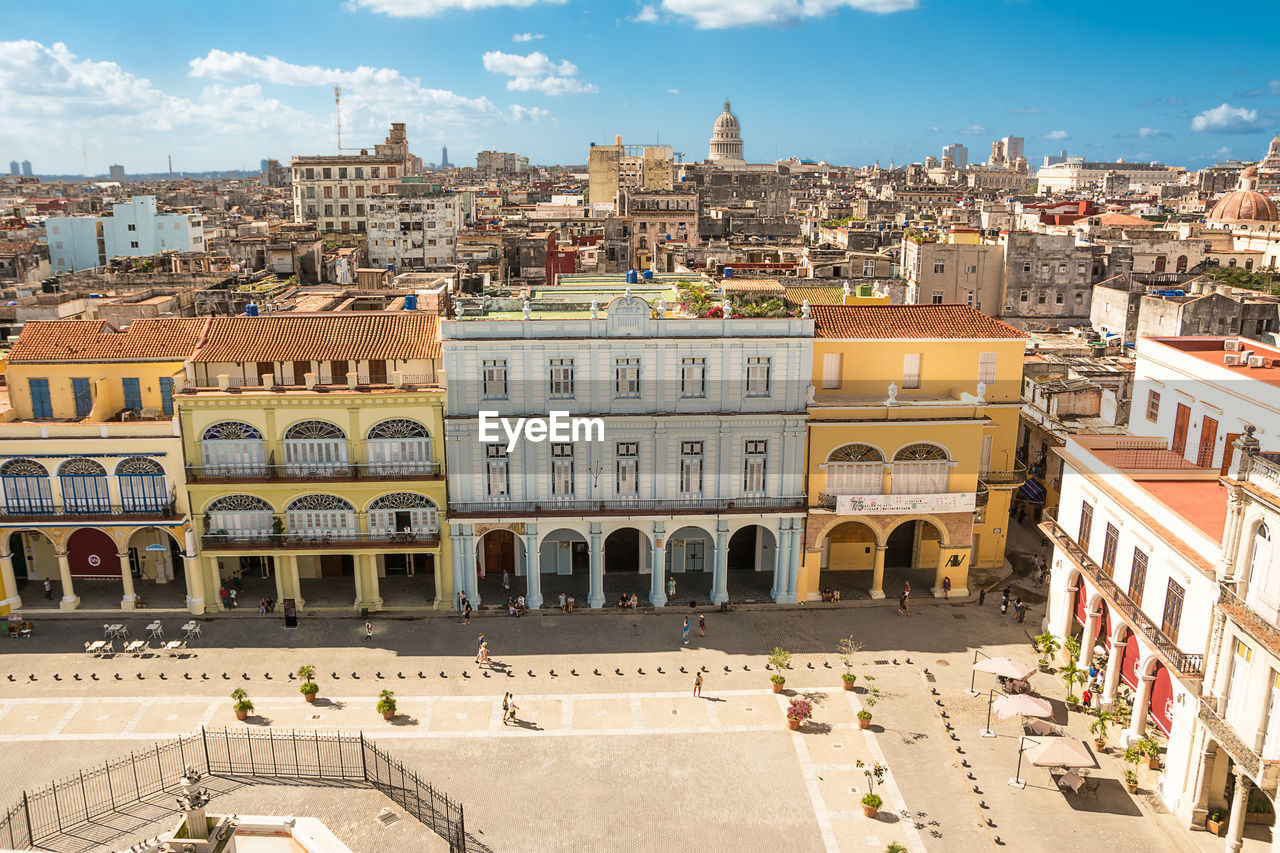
(1187, 665)
(377, 539)
(501, 507)
(40, 511)
(1004, 479)
(1246, 617)
(1224, 734)
(295, 471)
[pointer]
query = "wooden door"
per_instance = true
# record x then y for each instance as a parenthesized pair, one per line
(1208, 436)
(1172, 610)
(1228, 453)
(1180, 424)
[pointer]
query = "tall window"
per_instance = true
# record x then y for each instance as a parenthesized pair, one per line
(1153, 406)
(1138, 576)
(81, 390)
(691, 467)
(1086, 525)
(1259, 554)
(495, 379)
(987, 367)
(497, 483)
(831, 363)
(911, 370)
(1172, 610)
(626, 471)
(562, 378)
(693, 377)
(626, 377)
(1110, 544)
(562, 470)
(753, 470)
(855, 469)
(758, 368)
(142, 485)
(937, 297)
(132, 392)
(41, 403)
(920, 469)
(166, 395)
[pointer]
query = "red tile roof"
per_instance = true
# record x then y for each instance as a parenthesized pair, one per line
(323, 337)
(154, 339)
(896, 322)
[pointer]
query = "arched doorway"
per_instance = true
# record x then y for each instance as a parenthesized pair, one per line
(94, 560)
(565, 562)
(157, 567)
(320, 522)
(848, 559)
(752, 560)
(691, 561)
(500, 550)
(911, 555)
(34, 560)
(628, 565)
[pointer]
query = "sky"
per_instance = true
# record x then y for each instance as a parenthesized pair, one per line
(223, 85)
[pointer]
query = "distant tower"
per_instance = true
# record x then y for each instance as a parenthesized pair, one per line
(262, 165)
(26, 168)
(726, 139)
(444, 157)
(117, 173)
(13, 168)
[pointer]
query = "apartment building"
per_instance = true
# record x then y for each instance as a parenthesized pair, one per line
(415, 228)
(614, 168)
(332, 191)
(960, 270)
(134, 229)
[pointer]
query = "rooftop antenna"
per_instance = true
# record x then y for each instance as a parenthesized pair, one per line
(171, 167)
(85, 152)
(337, 112)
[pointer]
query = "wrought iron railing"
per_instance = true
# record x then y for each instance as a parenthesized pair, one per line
(1224, 734)
(1243, 614)
(309, 539)
(1188, 665)
(1003, 479)
(500, 507)
(40, 510)
(320, 471)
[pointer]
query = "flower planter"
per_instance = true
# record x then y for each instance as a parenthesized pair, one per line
(1214, 826)
(387, 715)
(242, 715)
(1153, 762)
(869, 811)
(1133, 789)
(777, 688)
(864, 722)
(1100, 744)
(794, 725)
(1044, 666)
(848, 685)
(310, 697)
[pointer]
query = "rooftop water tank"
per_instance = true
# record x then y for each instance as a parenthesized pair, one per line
(631, 277)
(251, 310)
(647, 274)
(728, 272)
(411, 302)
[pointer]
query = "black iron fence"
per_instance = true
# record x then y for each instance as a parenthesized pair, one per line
(97, 792)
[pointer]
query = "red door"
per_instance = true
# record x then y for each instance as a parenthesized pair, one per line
(1129, 661)
(1228, 453)
(1208, 435)
(1180, 424)
(1162, 700)
(92, 554)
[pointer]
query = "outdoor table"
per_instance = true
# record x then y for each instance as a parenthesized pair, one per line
(118, 630)
(136, 647)
(1072, 781)
(96, 647)
(192, 629)
(174, 646)
(156, 631)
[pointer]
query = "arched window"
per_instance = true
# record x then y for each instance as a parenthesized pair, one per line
(143, 487)
(1181, 265)
(920, 469)
(84, 486)
(26, 487)
(320, 517)
(240, 517)
(855, 469)
(399, 446)
(232, 447)
(1160, 263)
(403, 514)
(1248, 263)
(1259, 555)
(315, 449)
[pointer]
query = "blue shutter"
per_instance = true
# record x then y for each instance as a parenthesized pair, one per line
(41, 405)
(132, 393)
(166, 394)
(84, 397)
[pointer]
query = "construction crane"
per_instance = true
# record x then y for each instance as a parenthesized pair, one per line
(337, 117)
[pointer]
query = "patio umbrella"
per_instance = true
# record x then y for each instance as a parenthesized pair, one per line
(1004, 666)
(1022, 704)
(1060, 752)
(1042, 727)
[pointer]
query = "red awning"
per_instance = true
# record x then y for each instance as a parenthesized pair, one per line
(1082, 611)
(1129, 661)
(1162, 700)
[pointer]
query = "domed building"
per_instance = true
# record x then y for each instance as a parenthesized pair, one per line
(1245, 204)
(726, 139)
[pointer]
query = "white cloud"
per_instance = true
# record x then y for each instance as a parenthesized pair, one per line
(973, 130)
(725, 14)
(1226, 119)
(431, 8)
(933, 128)
(537, 73)
(1024, 110)
(1222, 153)
(1056, 135)
(673, 91)
(525, 37)
(1144, 132)
(646, 15)
(1274, 86)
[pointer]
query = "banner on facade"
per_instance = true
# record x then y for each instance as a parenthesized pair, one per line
(886, 504)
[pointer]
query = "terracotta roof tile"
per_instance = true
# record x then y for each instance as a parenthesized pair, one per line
(153, 339)
(352, 336)
(895, 322)
(750, 285)
(816, 295)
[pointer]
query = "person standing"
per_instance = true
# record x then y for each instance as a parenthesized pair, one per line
(671, 589)
(506, 580)
(702, 625)
(48, 589)
(1019, 608)
(1005, 595)
(461, 599)
(697, 684)
(562, 602)
(368, 630)
(902, 604)
(1004, 608)
(685, 637)
(946, 587)
(906, 590)
(506, 706)
(511, 708)
(466, 612)
(232, 595)
(906, 600)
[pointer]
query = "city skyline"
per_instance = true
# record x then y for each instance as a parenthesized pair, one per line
(547, 78)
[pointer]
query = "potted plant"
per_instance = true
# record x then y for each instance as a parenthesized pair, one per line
(1071, 676)
(242, 704)
(797, 712)
(875, 775)
(1048, 646)
(895, 847)
(1148, 748)
(870, 804)
(308, 688)
(1072, 645)
(1214, 821)
(387, 704)
(847, 648)
(1132, 756)
(779, 659)
(1101, 721)
(1131, 780)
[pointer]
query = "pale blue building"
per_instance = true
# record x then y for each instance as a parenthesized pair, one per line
(134, 229)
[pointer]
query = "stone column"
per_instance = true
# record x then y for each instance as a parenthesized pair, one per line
(1231, 540)
(129, 601)
(70, 601)
(1111, 681)
(793, 561)
(1235, 820)
(1141, 703)
(372, 586)
(195, 585)
(877, 572)
(720, 578)
(290, 583)
(658, 577)
(532, 568)
(952, 563)
(469, 568)
(1088, 639)
(12, 598)
(595, 595)
(362, 595)
(783, 571)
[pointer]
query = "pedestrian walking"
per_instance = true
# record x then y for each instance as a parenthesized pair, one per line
(466, 612)
(906, 601)
(563, 603)
(461, 599)
(1005, 595)
(479, 643)
(506, 579)
(511, 708)
(946, 587)
(233, 598)
(697, 684)
(685, 637)
(906, 590)
(1087, 699)
(1020, 609)
(702, 625)
(902, 603)
(48, 589)
(368, 630)
(506, 706)
(482, 656)
(1004, 608)
(671, 589)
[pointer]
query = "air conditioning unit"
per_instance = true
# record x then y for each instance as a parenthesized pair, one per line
(1231, 359)
(1257, 361)
(1231, 346)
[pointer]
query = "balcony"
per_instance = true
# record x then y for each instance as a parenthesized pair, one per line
(256, 540)
(1257, 625)
(1265, 772)
(624, 506)
(1004, 479)
(1186, 665)
(296, 472)
(40, 512)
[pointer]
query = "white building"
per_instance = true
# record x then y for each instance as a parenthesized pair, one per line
(416, 228)
(332, 191)
(1078, 175)
(699, 476)
(134, 229)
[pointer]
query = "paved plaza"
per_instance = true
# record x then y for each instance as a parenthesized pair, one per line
(610, 749)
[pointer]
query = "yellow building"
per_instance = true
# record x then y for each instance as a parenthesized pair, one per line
(315, 452)
(91, 467)
(912, 431)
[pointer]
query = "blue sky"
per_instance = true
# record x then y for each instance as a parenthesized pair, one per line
(851, 81)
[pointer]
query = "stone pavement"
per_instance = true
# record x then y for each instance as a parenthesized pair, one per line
(611, 750)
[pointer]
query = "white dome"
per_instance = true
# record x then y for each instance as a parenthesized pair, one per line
(726, 138)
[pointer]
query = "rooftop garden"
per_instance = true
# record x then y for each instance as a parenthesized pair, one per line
(917, 236)
(1267, 282)
(703, 300)
(836, 223)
